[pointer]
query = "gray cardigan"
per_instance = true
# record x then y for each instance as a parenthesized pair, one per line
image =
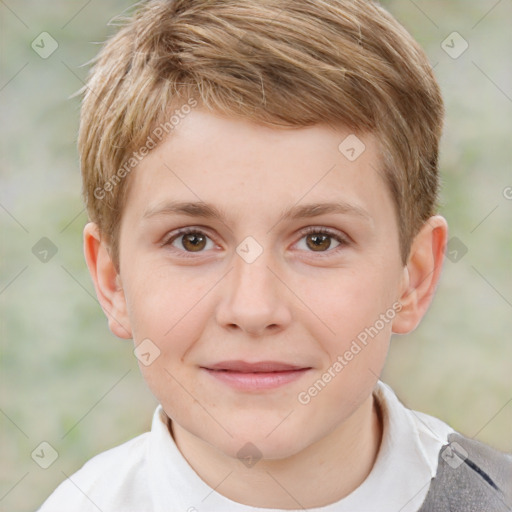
(471, 477)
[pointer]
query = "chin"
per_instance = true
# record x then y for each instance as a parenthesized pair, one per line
(259, 445)
(250, 452)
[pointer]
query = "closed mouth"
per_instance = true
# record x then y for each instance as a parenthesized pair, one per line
(239, 366)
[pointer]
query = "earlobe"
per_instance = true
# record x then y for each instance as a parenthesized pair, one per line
(106, 281)
(421, 274)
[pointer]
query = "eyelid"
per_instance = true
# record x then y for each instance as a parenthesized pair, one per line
(334, 233)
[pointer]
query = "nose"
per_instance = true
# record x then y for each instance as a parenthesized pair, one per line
(254, 298)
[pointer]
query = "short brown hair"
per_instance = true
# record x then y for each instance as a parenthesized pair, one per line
(284, 63)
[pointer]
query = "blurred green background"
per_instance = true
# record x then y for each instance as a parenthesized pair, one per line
(66, 380)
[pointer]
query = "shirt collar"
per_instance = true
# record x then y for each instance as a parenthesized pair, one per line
(399, 480)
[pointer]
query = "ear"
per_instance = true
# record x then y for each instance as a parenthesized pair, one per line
(107, 282)
(421, 274)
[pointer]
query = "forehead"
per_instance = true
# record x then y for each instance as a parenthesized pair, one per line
(242, 166)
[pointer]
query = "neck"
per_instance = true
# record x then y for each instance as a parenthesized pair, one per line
(323, 473)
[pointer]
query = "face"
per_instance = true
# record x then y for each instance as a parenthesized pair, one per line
(248, 312)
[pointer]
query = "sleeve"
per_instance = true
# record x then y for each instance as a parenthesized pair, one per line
(471, 477)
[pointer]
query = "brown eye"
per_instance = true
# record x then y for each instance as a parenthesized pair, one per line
(194, 241)
(318, 242)
(189, 241)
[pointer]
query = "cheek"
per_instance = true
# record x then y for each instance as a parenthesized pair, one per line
(349, 304)
(357, 313)
(163, 304)
(167, 310)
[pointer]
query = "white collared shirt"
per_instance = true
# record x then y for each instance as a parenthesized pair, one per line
(149, 473)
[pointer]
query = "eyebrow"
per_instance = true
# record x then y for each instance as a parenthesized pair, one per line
(209, 211)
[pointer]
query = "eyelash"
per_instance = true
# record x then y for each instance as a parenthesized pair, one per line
(343, 240)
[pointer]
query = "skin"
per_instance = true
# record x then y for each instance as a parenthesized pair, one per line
(292, 304)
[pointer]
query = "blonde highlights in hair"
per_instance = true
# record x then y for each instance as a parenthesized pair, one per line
(284, 63)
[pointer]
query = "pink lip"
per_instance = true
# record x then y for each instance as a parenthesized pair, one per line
(255, 376)
(261, 366)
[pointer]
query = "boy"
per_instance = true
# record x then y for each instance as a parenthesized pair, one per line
(261, 178)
